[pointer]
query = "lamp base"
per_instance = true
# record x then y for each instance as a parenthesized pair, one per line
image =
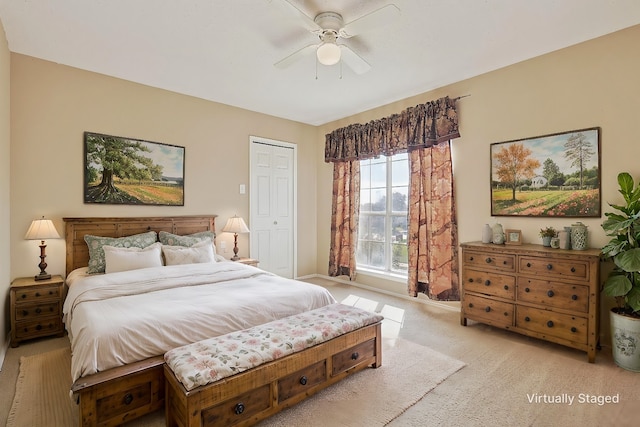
(42, 276)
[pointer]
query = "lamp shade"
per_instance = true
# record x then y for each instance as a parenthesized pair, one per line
(328, 53)
(235, 224)
(42, 229)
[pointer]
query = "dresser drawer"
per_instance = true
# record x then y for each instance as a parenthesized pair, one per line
(491, 261)
(553, 267)
(43, 326)
(483, 282)
(36, 295)
(302, 380)
(28, 312)
(488, 311)
(549, 323)
(353, 356)
(554, 294)
(238, 409)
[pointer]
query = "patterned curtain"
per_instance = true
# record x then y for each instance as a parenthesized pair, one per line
(344, 220)
(421, 126)
(432, 240)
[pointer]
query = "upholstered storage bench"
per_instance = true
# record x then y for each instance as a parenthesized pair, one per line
(243, 377)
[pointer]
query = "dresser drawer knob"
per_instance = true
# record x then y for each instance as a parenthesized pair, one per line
(470, 258)
(488, 260)
(128, 398)
(355, 356)
(528, 264)
(38, 310)
(39, 327)
(239, 408)
(527, 290)
(303, 380)
(573, 269)
(550, 293)
(470, 305)
(550, 323)
(487, 282)
(527, 319)
(488, 309)
(504, 262)
(506, 287)
(573, 329)
(23, 296)
(470, 280)
(574, 297)
(37, 294)
(25, 312)
(50, 292)
(549, 267)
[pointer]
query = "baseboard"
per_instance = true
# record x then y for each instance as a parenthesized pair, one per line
(382, 291)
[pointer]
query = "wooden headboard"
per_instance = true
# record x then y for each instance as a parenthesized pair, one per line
(76, 228)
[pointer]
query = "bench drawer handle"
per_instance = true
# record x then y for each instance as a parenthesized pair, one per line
(550, 294)
(128, 398)
(303, 380)
(550, 324)
(355, 356)
(239, 408)
(487, 282)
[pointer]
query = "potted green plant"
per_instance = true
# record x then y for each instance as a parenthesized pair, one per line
(623, 282)
(547, 234)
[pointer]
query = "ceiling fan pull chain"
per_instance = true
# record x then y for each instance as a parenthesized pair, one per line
(316, 68)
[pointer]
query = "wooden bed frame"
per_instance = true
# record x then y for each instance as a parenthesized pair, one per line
(121, 394)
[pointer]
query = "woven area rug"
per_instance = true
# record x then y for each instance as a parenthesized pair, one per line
(372, 397)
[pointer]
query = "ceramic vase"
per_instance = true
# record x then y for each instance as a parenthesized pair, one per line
(487, 234)
(578, 236)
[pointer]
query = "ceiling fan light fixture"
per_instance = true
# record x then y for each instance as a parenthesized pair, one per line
(328, 53)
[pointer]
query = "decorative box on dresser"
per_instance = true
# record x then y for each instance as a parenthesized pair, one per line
(550, 294)
(36, 308)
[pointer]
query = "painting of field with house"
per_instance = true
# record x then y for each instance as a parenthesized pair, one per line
(555, 175)
(133, 172)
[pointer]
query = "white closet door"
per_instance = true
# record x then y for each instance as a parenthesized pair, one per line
(272, 201)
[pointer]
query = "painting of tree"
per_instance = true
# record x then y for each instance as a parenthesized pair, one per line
(130, 171)
(549, 175)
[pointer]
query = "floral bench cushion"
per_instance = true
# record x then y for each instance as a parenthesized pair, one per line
(210, 360)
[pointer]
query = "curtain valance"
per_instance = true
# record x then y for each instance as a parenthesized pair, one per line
(421, 126)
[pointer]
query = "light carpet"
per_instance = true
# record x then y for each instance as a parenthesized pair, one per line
(372, 397)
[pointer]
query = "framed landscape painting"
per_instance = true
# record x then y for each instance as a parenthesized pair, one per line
(131, 171)
(556, 175)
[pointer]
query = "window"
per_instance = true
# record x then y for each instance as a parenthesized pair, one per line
(382, 232)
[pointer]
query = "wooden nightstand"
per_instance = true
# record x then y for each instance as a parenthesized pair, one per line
(249, 261)
(36, 308)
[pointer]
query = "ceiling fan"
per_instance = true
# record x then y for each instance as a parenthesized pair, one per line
(330, 27)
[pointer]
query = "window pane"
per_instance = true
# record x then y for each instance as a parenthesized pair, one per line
(379, 175)
(400, 173)
(399, 258)
(399, 229)
(365, 201)
(376, 228)
(399, 199)
(365, 175)
(363, 228)
(379, 200)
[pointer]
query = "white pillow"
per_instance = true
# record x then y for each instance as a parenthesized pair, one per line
(125, 259)
(196, 254)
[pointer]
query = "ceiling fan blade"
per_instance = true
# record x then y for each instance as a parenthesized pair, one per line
(297, 56)
(353, 60)
(377, 18)
(302, 18)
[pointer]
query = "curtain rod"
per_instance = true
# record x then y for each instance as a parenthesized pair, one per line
(462, 96)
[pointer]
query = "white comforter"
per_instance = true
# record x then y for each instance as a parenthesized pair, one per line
(119, 318)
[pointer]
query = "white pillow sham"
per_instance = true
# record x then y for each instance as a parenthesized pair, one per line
(125, 259)
(199, 253)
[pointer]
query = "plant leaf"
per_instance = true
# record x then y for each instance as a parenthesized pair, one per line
(633, 299)
(629, 260)
(617, 285)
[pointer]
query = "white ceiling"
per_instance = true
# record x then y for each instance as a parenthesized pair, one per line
(224, 50)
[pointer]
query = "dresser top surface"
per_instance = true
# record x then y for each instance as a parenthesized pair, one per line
(530, 248)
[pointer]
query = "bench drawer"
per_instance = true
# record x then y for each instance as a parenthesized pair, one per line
(238, 409)
(353, 356)
(487, 310)
(301, 381)
(567, 327)
(500, 285)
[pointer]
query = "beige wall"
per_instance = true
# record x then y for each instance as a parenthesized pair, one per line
(592, 84)
(52, 105)
(5, 134)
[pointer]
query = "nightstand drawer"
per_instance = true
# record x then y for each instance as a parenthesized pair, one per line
(31, 296)
(31, 312)
(40, 327)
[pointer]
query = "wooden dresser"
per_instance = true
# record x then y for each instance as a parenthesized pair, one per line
(551, 294)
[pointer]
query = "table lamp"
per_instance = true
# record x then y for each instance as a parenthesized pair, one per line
(235, 225)
(42, 229)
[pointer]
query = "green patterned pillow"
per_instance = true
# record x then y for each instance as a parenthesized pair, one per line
(188, 240)
(96, 253)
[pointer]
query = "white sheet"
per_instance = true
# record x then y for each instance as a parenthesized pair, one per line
(119, 318)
